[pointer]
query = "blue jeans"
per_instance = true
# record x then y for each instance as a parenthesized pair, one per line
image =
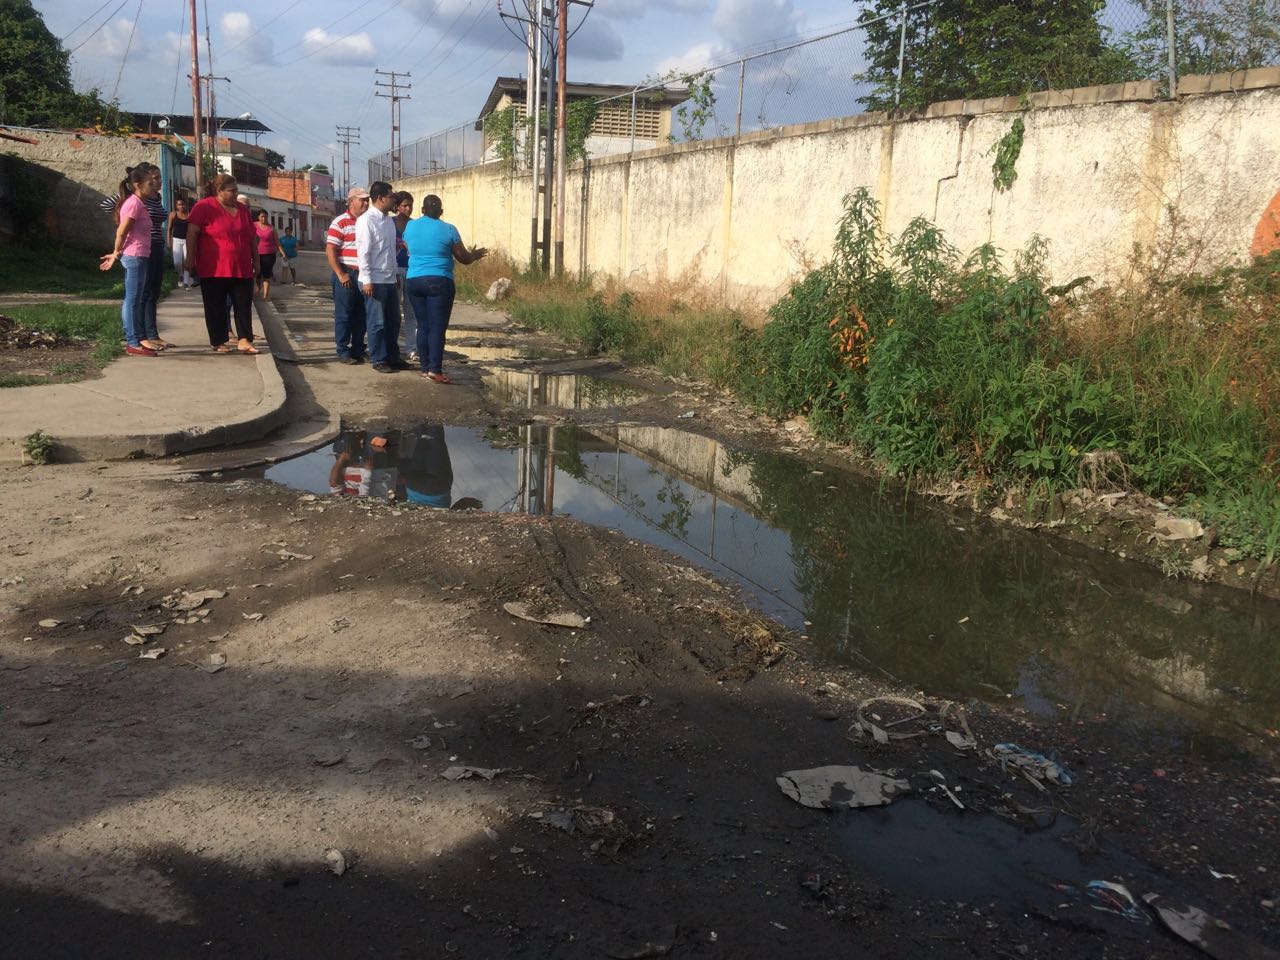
(408, 323)
(432, 300)
(135, 278)
(348, 316)
(382, 310)
(151, 291)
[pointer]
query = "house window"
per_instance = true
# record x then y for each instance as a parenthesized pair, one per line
(249, 174)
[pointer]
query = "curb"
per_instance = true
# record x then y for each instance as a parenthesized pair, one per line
(267, 415)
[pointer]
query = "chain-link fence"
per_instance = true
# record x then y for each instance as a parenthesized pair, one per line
(905, 56)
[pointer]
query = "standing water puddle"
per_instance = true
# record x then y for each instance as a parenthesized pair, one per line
(954, 606)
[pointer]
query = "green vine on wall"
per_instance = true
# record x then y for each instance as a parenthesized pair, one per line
(1007, 150)
(694, 113)
(506, 131)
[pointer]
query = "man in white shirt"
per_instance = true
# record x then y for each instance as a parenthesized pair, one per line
(376, 256)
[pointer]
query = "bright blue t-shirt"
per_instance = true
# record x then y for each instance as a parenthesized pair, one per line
(290, 246)
(430, 244)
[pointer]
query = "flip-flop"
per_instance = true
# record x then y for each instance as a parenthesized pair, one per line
(221, 348)
(437, 377)
(247, 350)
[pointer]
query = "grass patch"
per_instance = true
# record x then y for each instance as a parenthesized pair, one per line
(940, 367)
(20, 380)
(668, 328)
(53, 269)
(99, 323)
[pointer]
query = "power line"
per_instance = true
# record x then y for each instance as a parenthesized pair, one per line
(260, 28)
(347, 136)
(395, 96)
(127, 47)
(340, 38)
(177, 66)
(440, 39)
(98, 29)
(67, 36)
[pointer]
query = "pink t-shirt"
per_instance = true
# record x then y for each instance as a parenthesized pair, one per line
(266, 238)
(137, 241)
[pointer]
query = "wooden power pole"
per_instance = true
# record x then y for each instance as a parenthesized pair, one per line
(195, 98)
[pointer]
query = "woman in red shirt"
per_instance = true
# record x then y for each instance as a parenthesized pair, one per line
(222, 243)
(268, 247)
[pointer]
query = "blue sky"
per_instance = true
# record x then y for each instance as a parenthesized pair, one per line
(304, 66)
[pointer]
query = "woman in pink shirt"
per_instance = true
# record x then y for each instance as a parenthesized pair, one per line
(222, 244)
(268, 247)
(132, 248)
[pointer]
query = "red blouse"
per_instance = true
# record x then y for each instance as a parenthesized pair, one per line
(225, 247)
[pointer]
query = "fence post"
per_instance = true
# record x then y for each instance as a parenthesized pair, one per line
(742, 76)
(1173, 56)
(902, 57)
(633, 121)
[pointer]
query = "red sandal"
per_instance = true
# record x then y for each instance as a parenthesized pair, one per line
(437, 377)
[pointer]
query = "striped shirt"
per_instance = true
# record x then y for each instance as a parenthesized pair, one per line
(342, 234)
(159, 219)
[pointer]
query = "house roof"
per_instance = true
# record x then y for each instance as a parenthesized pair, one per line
(515, 88)
(183, 124)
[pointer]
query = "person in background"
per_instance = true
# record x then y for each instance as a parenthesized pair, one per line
(289, 244)
(155, 262)
(268, 248)
(178, 241)
(402, 204)
(433, 246)
(376, 258)
(348, 301)
(131, 248)
(222, 244)
(123, 192)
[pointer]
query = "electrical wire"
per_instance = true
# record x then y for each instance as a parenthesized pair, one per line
(238, 95)
(99, 28)
(67, 36)
(448, 53)
(260, 28)
(338, 39)
(177, 67)
(127, 47)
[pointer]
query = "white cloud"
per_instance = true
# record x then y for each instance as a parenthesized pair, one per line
(172, 46)
(698, 56)
(355, 50)
(748, 23)
(113, 41)
(239, 32)
(634, 9)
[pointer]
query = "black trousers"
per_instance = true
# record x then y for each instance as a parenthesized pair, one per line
(215, 291)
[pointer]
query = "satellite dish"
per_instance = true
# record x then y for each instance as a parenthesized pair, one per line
(162, 123)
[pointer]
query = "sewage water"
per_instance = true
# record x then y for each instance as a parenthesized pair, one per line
(946, 603)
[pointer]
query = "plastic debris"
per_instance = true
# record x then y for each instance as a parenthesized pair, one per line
(1036, 767)
(1211, 935)
(50, 624)
(570, 620)
(190, 601)
(149, 629)
(942, 785)
(155, 653)
(337, 862)
(1222, 876)
(883, 719)
(1178, 528)
(589, 821)
(1115, 898)
(466, 773)
(834, 787)
(216, 662)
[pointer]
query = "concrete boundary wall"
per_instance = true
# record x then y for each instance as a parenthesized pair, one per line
(1102, 169)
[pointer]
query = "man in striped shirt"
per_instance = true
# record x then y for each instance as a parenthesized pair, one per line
(348, 298)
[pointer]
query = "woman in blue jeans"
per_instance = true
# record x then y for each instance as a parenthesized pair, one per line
(433, 246)
(132, 248)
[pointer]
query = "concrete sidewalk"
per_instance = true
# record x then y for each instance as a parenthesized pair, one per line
(189, 398)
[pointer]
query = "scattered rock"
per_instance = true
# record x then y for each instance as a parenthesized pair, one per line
(466, 773)
(571, 620)
(50, 624)
(33, 718)
(216, 662)
(190, 601)
(155, 653)
(833, 787)
(336, 861)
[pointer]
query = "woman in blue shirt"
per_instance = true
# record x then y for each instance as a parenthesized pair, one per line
(433, 246)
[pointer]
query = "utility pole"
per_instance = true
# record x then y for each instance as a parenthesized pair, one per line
(195, 98)
(532, 111)
(397, 88)
(211, 98)
(347, 136)
(562, 44)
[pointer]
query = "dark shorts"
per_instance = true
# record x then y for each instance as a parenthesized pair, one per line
(267, 263)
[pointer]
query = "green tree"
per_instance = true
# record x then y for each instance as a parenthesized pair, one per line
(1210, 36)
(35, 75)
(976, 48)
(275, 161)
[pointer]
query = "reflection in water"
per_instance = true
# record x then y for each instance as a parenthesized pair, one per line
(569, 391)
(410, 466)
(957, 608)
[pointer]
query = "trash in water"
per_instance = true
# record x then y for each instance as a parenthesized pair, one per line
(466, 773)
(1035, 766)
(1210, 934)
(942, 785)
(829, 788)
(570, 620)
(1115, 898)
(901, 718)
(155, 653)
(337, 862)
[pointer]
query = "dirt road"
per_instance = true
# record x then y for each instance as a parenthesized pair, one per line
(617, 796)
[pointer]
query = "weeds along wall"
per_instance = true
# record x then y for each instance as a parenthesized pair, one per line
(1100, 171)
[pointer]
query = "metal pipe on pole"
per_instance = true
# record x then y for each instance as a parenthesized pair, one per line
(902, 58)
(195, 97)
(1170, 39)
(549, 157)
(742, 79)
(562, 38)
(533, 113)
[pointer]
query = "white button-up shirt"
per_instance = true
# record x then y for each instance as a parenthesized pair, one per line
(376, 246)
